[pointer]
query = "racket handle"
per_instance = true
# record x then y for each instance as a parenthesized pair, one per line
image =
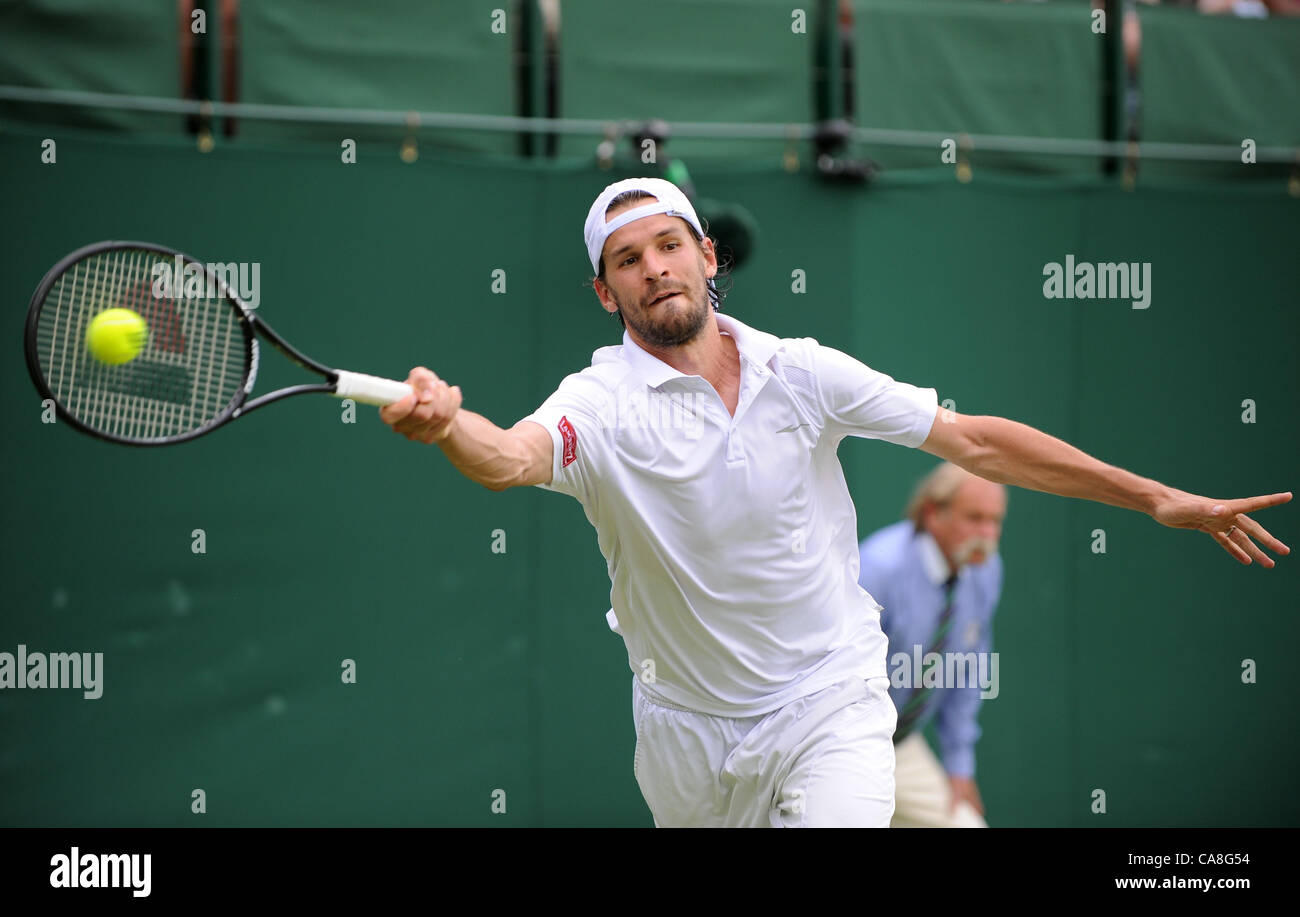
(370, 389)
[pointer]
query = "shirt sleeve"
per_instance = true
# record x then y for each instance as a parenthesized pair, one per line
(957, 728)
(572, 415)
(859, 401)
(956, 722)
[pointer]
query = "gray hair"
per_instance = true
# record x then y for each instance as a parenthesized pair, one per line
(938, 488)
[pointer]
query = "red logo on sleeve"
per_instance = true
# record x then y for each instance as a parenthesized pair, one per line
(570, 442)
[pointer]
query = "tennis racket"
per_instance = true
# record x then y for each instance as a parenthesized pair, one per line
(195, 370)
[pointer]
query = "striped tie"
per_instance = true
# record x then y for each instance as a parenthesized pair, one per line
(914, 706)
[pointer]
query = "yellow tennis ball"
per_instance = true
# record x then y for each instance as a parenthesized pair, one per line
(116, 335)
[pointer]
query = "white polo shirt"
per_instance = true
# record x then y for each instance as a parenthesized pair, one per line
(731, 542)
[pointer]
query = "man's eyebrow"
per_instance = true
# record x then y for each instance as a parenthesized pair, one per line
(663, 232)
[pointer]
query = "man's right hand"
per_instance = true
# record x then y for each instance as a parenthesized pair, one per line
(430, 414)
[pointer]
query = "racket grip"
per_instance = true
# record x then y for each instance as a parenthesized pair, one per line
(369, 389)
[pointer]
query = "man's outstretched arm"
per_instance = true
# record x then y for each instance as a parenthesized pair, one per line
(480, 450)
(1007, 452)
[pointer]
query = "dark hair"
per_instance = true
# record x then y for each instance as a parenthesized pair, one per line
(716, 293)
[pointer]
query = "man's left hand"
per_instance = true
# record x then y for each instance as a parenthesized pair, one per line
(1225, 521)
(964, 790)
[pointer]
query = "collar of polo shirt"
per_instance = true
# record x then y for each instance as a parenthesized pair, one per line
(755, 346)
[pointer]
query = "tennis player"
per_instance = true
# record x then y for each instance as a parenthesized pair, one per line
(704, 454)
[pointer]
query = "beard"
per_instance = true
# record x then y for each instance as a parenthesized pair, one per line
(677, 322)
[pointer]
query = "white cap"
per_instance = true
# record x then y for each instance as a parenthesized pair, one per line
(669, 200)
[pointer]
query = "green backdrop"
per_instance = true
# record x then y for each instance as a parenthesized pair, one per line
(480, 671)
(947, 66)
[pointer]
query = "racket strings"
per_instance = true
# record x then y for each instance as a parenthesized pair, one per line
(192, 366)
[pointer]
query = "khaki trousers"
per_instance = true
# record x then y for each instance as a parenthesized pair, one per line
(921, 790)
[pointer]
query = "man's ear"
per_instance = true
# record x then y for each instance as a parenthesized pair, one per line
(710, 257)
(602, 293)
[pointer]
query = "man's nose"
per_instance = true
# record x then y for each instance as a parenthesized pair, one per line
(654, 265)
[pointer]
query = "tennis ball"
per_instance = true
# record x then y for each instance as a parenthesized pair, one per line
(116, 335)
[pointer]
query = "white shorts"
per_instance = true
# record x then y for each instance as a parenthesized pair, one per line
(825, 760)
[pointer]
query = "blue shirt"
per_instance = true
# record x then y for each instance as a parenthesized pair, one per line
(905, 571)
